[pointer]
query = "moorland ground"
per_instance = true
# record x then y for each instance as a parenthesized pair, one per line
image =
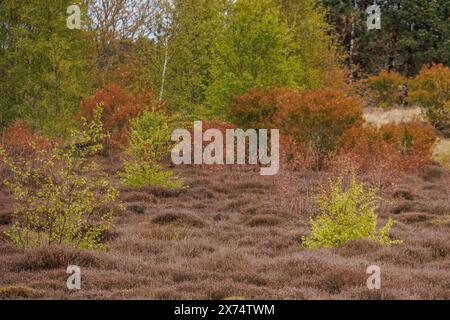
(231, 233)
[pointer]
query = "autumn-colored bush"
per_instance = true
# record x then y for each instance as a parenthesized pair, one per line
(319, 120)
(387, 88)
(315, 121)
(384, 154)
(413, 138)
(431, 90)
(120, 107)
(256, 108)
(57, 198)
(17, 140)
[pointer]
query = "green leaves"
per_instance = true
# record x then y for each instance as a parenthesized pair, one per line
(251, 53)
(150, 142)
(57, 198)
(42, 65)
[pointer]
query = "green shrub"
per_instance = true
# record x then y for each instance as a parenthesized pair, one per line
(57, 198)
(347, 215)
(150, 142)
(141, 175)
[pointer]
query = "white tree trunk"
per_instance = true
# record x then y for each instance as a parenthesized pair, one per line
(163, 75)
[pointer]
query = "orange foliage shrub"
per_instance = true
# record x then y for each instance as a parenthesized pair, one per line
(413, 138)
(315, 121)
(119, 108)
(20, 143)
(386, 88)
(18, 140)
(256, 108)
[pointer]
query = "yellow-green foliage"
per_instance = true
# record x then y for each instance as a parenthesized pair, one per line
(347, 215)
(150, 142)
(57, 199)
(141, 175)
(89, 140)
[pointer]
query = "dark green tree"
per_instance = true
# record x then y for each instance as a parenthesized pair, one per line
(42, 64)
(412, 33)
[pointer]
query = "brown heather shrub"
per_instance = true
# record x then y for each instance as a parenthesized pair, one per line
(120, 107)
(54, 257)
(227, 258)
(15, 292)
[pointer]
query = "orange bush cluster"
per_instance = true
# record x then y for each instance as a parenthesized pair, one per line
(18, 140)
(430, 89)
(314, 121)
(21, 144)
(383, 154)
(119, 108)
(324, 129)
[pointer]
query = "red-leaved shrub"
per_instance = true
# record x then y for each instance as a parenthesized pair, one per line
(314, 121)
(18, 140)
(119, 108)
(20, 144)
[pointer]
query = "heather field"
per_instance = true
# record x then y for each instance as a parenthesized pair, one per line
(232, 234)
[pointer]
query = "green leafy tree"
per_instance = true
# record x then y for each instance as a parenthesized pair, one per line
(251, 52)
(57, 198)
(150, 142)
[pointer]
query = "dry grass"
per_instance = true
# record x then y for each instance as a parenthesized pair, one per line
(229, 236)
(381, 117)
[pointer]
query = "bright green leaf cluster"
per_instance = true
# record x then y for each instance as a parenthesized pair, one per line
(150, 142)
